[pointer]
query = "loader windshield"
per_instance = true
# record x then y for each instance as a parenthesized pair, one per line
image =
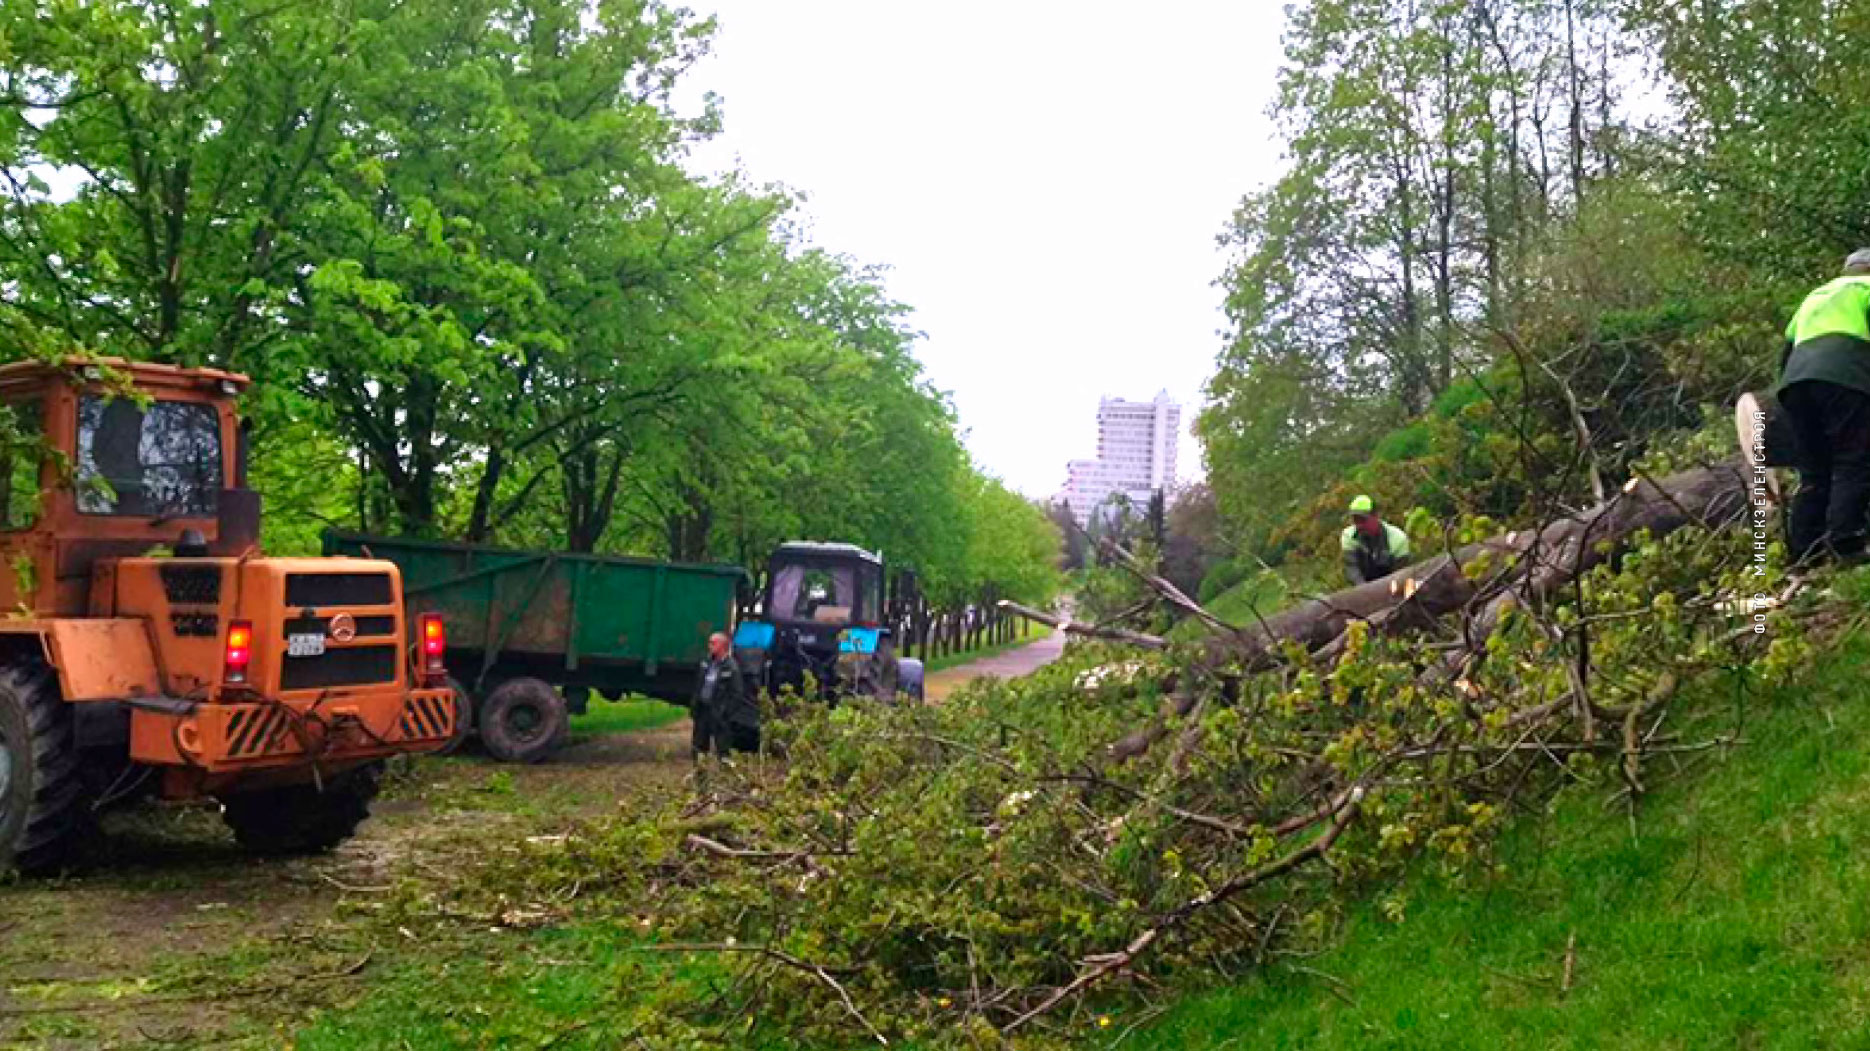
(160, 459)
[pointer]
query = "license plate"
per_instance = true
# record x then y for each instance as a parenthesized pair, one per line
(309, 644)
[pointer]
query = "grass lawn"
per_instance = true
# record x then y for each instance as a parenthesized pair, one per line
(563, 988)
(625, 716)
(1265, 592)
(1738, 916)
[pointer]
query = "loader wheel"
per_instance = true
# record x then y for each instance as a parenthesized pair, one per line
(522, 721)
(464, 718)
(40, 786)
(299, 819)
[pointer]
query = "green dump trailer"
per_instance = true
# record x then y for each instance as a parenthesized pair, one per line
(530, 634)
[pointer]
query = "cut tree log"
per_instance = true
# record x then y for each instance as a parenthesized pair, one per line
(1523, 567)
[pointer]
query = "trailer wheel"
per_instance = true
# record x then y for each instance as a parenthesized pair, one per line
(464, 718)
(522, 721)
(40, 786)
(299, 819)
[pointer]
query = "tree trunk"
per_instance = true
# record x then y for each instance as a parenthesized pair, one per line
(1576, 87)
(1528, 566)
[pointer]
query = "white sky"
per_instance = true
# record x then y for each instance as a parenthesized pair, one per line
(1046, 180)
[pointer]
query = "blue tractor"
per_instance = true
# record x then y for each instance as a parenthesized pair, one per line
(819, 627)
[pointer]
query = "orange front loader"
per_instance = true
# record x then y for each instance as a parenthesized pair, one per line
(146, 644)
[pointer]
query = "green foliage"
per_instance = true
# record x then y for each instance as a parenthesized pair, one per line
(1768, 153)
(1012, 547)
(456, 246)
(1744, 876)
(949, 865)
(1414, 441)
(1445, 304)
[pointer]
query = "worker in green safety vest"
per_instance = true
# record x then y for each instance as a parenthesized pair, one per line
(1373, 548)
(1825, 387)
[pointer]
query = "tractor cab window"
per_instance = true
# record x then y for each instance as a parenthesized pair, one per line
(161, 459)
(869, 593)
(823, 594)
(21, 452)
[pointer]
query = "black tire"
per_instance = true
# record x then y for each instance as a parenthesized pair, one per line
(910, 678)
(522, 721)
(577, 702)
(299, 819)
(464, 718)
(40, 787)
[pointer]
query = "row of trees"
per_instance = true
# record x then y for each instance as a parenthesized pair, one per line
(456, 245)
(1522, 220)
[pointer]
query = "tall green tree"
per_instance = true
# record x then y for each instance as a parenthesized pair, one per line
(1433, 147)
(1768, 148)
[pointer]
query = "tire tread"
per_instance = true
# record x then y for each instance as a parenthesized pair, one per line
(54, 818)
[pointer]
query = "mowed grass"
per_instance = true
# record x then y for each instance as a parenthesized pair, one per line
(1738, 916)
(564, 988)
(628, 715)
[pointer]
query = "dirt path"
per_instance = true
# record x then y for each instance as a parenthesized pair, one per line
(169, 935)
(139, 947)
(1009, 665)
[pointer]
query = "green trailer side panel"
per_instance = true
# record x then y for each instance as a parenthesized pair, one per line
(692, 608)
(580, 610)
(614, 603)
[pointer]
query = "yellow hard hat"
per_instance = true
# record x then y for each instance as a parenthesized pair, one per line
(1362, 505)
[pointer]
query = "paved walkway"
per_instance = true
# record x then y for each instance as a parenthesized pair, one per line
(1009, 665)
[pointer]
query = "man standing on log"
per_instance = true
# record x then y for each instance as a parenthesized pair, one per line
(1372, 547)
(1825, 388)
(726, 716)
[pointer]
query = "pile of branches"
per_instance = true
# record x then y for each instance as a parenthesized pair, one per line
(1008, 868)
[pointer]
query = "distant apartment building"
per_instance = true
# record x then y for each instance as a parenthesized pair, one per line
(1136, 443)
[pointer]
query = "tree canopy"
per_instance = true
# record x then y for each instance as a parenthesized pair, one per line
(458, 247)
(1500, 228)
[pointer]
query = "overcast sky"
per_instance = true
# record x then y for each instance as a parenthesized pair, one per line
(1044, 179)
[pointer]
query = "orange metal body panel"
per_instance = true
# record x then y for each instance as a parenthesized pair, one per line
(103, 659)
(151, 632)
(230, 737)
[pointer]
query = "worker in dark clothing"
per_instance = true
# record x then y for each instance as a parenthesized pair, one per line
(1373, 548)
(1825, 387)
(726, 715)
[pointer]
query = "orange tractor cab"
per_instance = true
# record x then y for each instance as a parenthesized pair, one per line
(146, 645)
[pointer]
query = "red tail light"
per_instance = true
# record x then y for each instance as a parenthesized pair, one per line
(433, 636)
(239, 652)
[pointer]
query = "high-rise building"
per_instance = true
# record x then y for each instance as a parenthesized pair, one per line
(1136, 443)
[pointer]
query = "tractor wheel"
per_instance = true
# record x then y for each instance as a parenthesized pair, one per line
(522, 721)
(909, 678)
(299, 819)
(464, 718)
(40, 786)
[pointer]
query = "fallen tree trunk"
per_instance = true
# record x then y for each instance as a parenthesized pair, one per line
(1522, 567)
(1525, 566)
